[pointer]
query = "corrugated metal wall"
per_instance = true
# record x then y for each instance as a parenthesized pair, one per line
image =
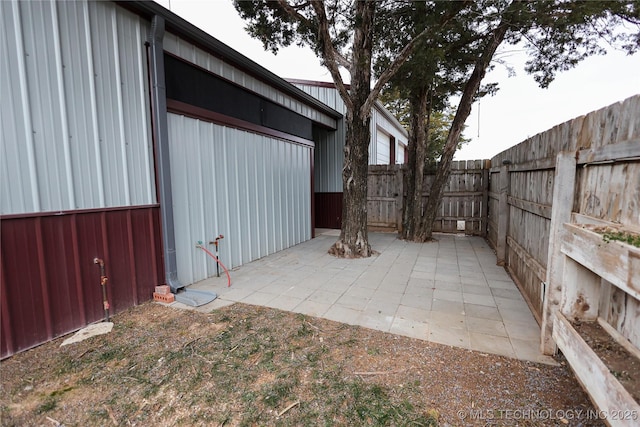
(381, 128)
(253, 189)
(383, 148)
(400, 154)
(76, 156)
(50, 284)
(74, 112)
(329, 155)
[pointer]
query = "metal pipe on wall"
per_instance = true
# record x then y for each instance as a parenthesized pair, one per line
(161, 141)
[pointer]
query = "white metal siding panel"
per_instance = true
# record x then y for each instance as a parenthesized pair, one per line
(39, 30)
(75, 134)
(135, 108)
(19, 189)
(328, 160)
(253, 189)
(373, 137)
(391, 127)
(327, 95)
(110, 137)
(383, 146)
(329, 150)
(399, 153)
(79, 83)
(379, 149)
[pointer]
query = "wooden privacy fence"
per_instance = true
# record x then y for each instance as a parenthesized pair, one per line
(464, 204)
(552, 201)
(523, 179)
(547, 206)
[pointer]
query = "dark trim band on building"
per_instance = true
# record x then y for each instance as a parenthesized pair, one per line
(191, 84)
(193, 34)
(185, 109)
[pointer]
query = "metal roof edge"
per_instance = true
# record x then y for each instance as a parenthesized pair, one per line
(394, 121)
(184, 28)
(383, 110)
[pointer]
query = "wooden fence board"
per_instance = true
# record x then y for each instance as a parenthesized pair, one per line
(465, 197)
(606, 146)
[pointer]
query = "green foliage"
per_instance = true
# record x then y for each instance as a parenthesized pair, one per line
(49, 404)
(438, 124)
(561, 34)
(624, 237)
(276, 27)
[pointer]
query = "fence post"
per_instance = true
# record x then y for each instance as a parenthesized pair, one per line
(503, 215)
(564, 183)
(399, 196)
(484, 221)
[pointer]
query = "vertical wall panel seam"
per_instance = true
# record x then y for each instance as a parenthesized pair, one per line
(257, 200)
(5, 314)
(215, 186)
(226, 188)
(132, 259)
(94, 106)
(117, 73)
(152, 246)
(289, 150)
(64, 122)
(44, 284)
(200, 178)
(251, 231)
(26, 108)
(274, 202)
(77, 263)
(238, 230)
(143, 97)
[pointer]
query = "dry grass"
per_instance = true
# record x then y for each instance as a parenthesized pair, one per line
(245, 365)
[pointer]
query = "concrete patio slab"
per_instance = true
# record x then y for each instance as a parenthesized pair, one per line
(449, 291)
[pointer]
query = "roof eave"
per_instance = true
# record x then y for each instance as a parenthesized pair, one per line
(190, 32)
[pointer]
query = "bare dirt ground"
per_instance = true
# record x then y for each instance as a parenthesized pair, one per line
(245, 365)
(622, 364)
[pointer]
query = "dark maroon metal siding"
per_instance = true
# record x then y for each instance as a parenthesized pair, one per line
(50, 284)
(328, 210)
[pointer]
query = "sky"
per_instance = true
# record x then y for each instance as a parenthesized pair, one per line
(518, 111)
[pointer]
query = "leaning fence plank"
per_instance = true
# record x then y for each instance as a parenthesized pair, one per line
(563, 194)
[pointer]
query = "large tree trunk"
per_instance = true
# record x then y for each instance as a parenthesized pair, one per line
(417, 155)
(354, 239)
(464, 109)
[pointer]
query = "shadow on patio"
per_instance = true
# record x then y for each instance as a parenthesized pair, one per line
(449, 292)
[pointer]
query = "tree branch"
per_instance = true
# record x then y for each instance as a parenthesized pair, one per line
(401, 58)
(292, 11)
(330, 55)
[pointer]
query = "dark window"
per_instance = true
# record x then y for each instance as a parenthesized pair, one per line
(195, 86)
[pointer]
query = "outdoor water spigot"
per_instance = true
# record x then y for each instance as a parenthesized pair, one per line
(216, 241)
(103, 283)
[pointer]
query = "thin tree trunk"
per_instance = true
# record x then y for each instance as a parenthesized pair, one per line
(354, 239)
(464, 109)
(417, 154)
